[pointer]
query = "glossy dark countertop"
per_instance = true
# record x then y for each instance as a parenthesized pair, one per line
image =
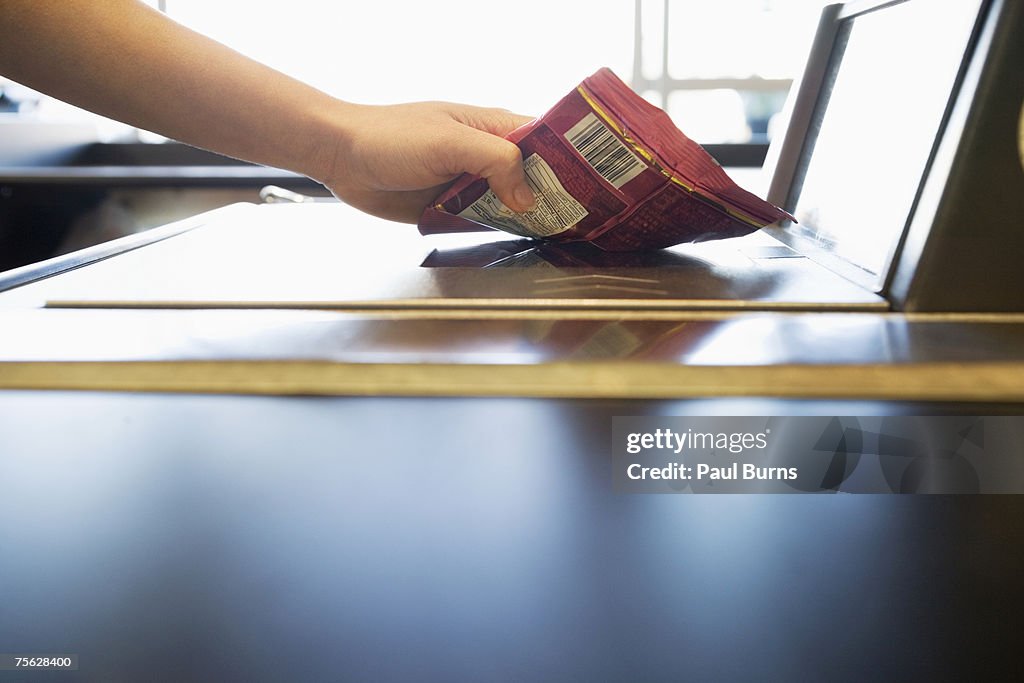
(180, 536)
(254, 538)
(327, 352)
(750, 339)
(331, 256)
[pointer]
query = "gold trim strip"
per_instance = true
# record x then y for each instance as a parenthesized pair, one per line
(969, 382)
(517, 305)
(397, 313)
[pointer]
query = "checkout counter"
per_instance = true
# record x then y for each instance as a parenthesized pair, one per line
(227, 458)
(292, 442)
(279, 299)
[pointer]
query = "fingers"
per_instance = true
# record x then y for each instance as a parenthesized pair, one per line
(499, 122)
(404, 206)
(497, 160)
(411, 152)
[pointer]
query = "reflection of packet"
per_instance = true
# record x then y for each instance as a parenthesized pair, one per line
(609, 168)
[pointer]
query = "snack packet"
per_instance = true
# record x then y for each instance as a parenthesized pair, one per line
(608, 168)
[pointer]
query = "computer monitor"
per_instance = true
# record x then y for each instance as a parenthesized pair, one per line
(876, 119)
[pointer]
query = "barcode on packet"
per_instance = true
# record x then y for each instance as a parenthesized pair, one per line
(612, 159)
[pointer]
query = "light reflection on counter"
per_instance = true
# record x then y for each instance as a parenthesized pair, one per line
(481, 536)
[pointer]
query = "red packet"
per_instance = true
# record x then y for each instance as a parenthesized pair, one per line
(609, 168)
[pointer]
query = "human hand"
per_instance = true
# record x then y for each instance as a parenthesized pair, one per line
(392, 161)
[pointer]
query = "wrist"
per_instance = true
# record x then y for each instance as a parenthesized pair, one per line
(327, 141)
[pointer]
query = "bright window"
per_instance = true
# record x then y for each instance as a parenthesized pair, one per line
(721, 69)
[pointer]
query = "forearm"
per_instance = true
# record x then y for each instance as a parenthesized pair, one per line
(124, 60)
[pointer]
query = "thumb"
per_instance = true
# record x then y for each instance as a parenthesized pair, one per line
(500, 162)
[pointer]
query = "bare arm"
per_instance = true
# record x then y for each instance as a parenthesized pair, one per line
(124, 60)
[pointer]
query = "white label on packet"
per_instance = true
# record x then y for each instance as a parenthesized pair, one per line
(556, 211)
(614, 161)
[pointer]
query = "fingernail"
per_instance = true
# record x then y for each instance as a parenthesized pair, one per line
(525, 198)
